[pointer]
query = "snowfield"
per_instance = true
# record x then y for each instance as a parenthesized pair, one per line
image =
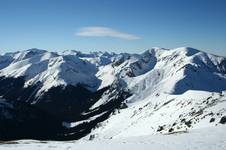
(213, 138)
(164, 114)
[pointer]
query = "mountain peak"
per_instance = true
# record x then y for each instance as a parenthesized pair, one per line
(35, 50)
(188, 51)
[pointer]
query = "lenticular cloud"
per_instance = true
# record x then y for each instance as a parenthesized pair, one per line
(105, 32)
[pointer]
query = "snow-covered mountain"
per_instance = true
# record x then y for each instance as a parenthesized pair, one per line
(110, 95)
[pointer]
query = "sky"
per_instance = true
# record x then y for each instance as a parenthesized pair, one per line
(113, 25)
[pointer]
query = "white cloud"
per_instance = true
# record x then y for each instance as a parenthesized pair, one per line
(105, 32)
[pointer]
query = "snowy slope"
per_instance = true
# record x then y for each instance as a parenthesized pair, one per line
(204, 139)
(175, 71)
(186, 68)
(166, 71)
(164, 114)
(50, 69)
(172, 90)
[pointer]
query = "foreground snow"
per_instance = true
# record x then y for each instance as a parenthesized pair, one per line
(164, 114)
(212, 138)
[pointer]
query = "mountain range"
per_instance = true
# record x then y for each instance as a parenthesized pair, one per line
(72, 95)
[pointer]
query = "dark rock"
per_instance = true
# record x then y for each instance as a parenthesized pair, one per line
(188, 123)
(160, 128)
(171, 130)
(91, 137)
(223, 120)
(212, 120)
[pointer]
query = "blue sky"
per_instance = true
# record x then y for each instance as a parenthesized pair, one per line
(113, 25)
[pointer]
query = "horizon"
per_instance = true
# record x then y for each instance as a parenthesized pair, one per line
(113, 26)
(110, 52)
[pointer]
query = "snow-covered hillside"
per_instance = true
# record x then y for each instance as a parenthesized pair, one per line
(169, 71)
(175, 70)
(165, 114)
(108, 95)
(203, 139)
(50, 69)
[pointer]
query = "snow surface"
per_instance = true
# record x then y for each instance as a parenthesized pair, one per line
(199, 139)
(145, 117)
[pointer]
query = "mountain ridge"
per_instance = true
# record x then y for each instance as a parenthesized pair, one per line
(83, 90)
